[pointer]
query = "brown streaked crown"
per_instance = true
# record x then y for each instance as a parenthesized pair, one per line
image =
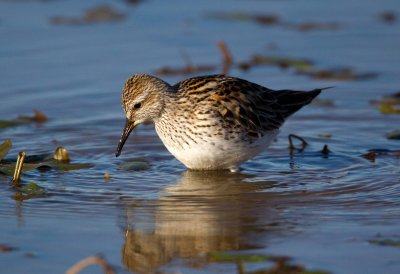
(142, 97)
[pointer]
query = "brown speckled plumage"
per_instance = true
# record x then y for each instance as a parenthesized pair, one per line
(232, 118)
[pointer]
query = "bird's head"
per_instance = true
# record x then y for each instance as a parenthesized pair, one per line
(142, 101)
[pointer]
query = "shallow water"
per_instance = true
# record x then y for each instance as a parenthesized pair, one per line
(322, 211)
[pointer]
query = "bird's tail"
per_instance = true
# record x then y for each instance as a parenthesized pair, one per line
(291, 100)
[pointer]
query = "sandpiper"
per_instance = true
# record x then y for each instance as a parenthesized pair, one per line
(210, 122)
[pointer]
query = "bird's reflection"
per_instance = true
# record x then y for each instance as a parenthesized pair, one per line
(203, 212)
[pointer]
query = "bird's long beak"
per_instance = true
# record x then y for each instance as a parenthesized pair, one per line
(129, 126)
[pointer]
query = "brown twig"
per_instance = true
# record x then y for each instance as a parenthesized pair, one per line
(79, 266)
(227, 59)
(240, 267)
(325, 150)
(292, 146)
(18, 168)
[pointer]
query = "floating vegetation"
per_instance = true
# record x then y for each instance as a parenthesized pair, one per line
(134, 165)
(338, 74)
(38, 117)
(393, 135)
(18, 169)
(391, 99)
(6, 248)
(370, 156)
(305, 67)
(252, 258)
(300, 66)
(33, 189)
(262, 19)
(98, 14)
(388, 17)
(282, 62)
(310, 26)
(188, 69)
(273, 20)
(133, 2)
(323, 102)
(59, 160)
(281, 264)
(29, 191)
(386, 242)
(388, 104)
(373, 153)
(4, 148)
(325, 136)
(389, 109)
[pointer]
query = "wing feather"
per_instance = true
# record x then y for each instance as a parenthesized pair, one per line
(255, 108)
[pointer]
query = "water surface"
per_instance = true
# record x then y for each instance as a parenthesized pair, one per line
(320, 210)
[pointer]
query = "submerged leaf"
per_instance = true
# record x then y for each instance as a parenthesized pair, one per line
(33, 189)
(389, 109)
(98, 14)
(38, 117)
(339, 74)
(188, 69)
(394, 135)
(388, 104)
(370, 156)
(281, 264)
(385, 242)
(388, 17)
(59, 160)
(326, 136)
(6, 248)
(134, 165)
(390, 99)
(262, 19)
(323, 102)
(309, 26)
(8, 168)
(373, 153)
(65, 166)
(29, 191)
(19, 196)
(6, 124)
(4, 148)
(226, 257)
(283, 62)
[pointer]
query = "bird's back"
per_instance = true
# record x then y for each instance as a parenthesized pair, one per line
(238, 102)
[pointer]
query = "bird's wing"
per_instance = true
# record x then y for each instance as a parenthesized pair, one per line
(240, 102)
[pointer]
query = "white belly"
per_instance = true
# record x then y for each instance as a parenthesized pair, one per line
(214, 153)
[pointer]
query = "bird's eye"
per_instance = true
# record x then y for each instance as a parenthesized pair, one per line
(138, 105)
